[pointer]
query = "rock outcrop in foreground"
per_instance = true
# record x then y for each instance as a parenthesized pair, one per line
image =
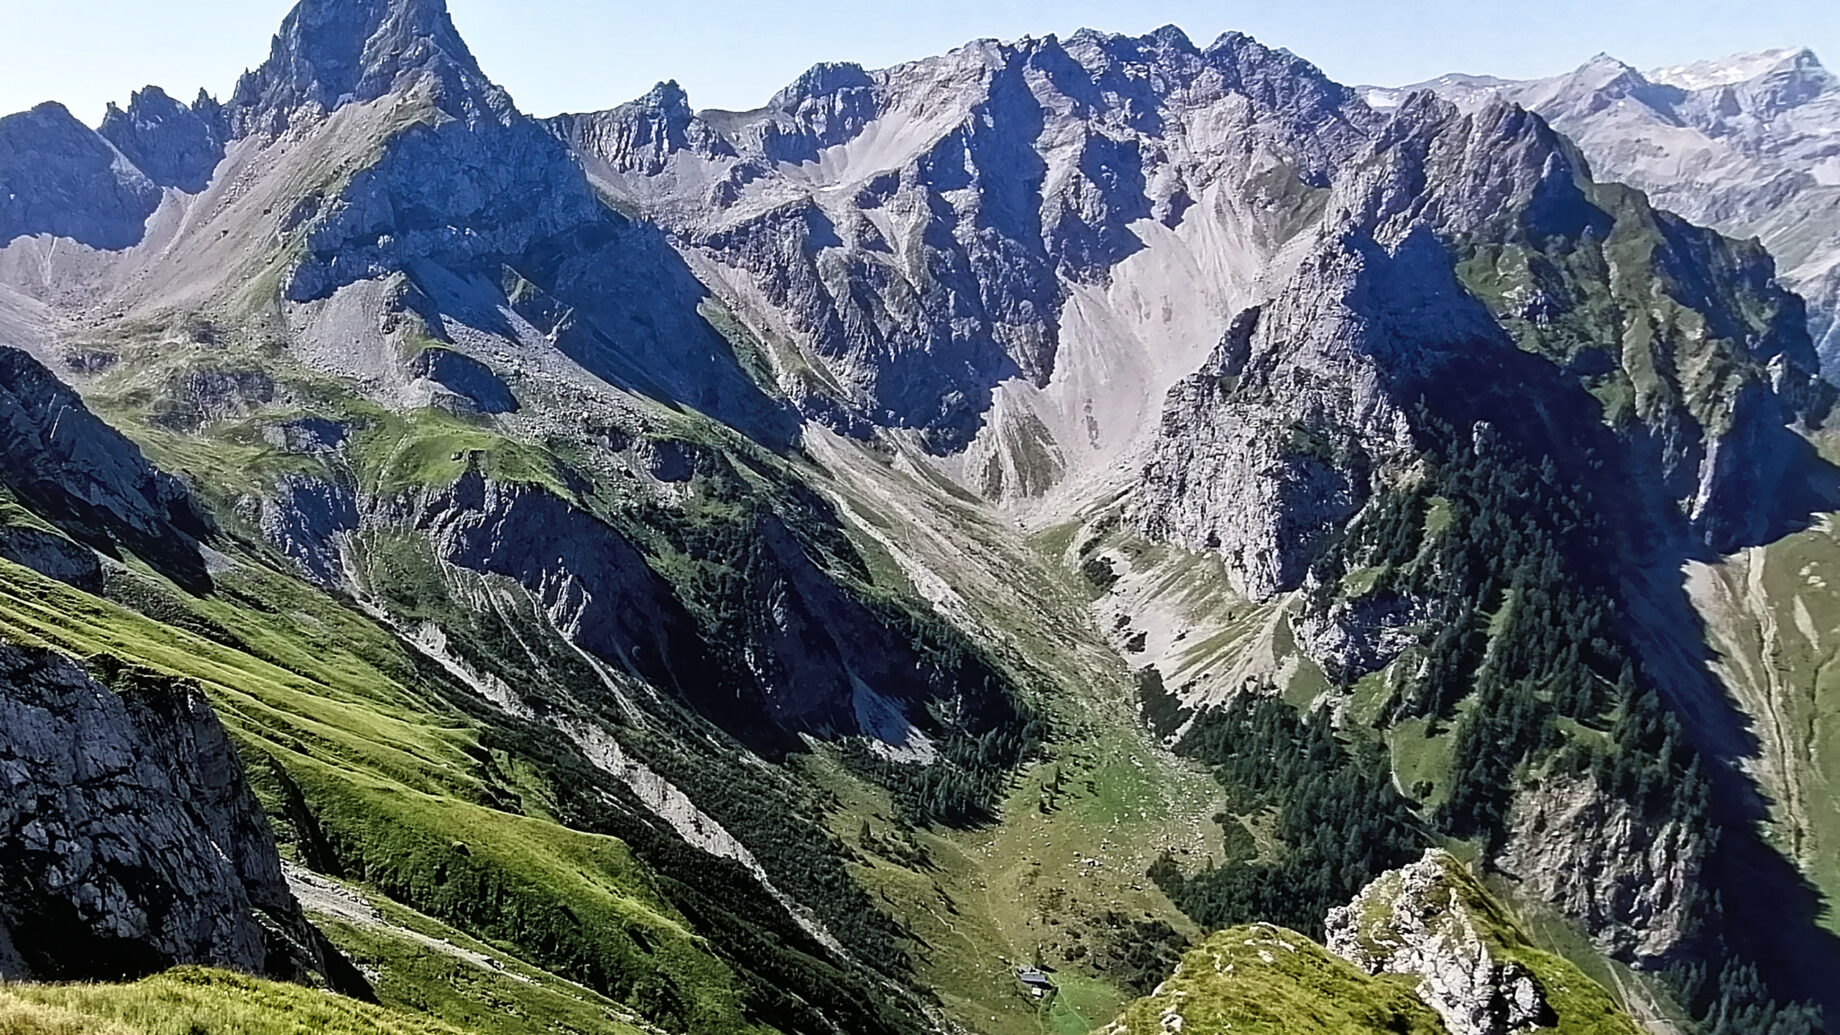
(129, 838)
(1468, 970)
(1433, 922)
(1265, 979)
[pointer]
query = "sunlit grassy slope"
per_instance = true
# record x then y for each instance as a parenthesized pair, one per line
(194, 1001)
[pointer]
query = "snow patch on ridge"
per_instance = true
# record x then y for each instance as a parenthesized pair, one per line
(1728, 71)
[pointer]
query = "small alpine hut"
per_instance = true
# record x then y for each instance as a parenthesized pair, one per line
(1035, 982)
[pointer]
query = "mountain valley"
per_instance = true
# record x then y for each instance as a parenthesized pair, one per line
(1107, 517)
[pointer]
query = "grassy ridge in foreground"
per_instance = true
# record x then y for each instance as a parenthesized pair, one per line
(1263, 979)
(196, 1001)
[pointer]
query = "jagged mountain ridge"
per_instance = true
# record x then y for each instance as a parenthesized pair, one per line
(1047, 162)
(447, 363)
(1746, 144)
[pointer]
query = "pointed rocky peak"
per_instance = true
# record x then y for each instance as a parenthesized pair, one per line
(667, 98)
(1294, 90)
(1458, 172)
(1604, 61)
(62, 178)
(1255, 61)
(826, 106)
(175, 145)
(1802, 59)
(1170, 36)
(822, 80)
(1156, 45)
(1605, 75)
(330, 53)
(47, 134)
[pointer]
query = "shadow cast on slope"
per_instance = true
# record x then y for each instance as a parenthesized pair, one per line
(1770, 912)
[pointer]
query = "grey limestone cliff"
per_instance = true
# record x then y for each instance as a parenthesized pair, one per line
(1314, 398)
(129, 839)
(84, 477)
(1630, 877)
(58, 177)
(172, 144)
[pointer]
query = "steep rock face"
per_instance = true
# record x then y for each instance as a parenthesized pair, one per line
(131, 840)
(174, 145)
(640, 136)
(488, 217)
(916, 230)
(1312, 397)
(1275, 442)
(310, 520)
(83, 476)
(594, 584)
(52, 554)
(470, 382)
(63, 179)
(1430, 922)
(1632, 879)
(826, 106)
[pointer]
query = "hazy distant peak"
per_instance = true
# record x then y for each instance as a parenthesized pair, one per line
(1738, 68)
(822, 80)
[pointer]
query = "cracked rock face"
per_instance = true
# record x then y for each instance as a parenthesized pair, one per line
(1630, 879)
(1424, 922)
(129, 839)
(174, 145)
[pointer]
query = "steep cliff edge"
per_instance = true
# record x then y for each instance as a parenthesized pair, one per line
(130, 838)
(1633, 876)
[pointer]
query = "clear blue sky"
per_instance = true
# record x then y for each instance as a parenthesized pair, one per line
(559, 55)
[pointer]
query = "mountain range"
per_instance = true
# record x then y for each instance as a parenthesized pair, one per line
(1069, 532)
(1749, 145)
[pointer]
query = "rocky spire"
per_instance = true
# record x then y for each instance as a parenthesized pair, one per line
(174, 145)
(335, 52)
